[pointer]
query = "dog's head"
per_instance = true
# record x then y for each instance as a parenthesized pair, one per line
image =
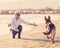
(47, 20)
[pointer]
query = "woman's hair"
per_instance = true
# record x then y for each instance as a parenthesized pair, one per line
(17, 13)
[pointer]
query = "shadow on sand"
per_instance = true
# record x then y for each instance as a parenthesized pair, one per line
(45, 40)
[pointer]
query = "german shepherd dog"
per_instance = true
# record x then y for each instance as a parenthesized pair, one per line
(50, 29)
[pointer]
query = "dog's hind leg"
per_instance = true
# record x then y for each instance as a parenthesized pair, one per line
(52, 36)
(52, 39)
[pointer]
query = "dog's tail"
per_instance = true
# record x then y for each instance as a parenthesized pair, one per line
(46, 33)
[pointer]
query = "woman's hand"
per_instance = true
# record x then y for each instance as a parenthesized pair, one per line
(34, 24)
(9, 25)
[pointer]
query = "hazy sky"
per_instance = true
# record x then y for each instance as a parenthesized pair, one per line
(15, 4)
(41, 3)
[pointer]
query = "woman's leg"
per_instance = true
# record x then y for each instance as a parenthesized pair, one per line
(14, 33)
(20, 30)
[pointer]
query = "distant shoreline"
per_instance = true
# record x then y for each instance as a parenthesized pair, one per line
(29, 13)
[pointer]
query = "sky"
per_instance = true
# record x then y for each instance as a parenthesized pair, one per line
(35, 4)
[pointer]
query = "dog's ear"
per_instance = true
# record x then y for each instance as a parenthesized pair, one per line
(49, 17)
(45, 18)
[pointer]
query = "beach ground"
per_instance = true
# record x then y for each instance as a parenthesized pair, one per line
(31, 39)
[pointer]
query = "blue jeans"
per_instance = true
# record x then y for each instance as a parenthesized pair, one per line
(15, 32)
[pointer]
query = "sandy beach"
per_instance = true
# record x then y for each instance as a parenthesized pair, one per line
(30, 39)
(32, 11)
(33, 38)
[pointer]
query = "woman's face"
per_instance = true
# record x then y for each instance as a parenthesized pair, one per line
(17, 17)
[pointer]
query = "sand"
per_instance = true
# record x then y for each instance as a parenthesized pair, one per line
(31, 39)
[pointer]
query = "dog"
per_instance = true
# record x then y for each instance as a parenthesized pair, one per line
(50, 29)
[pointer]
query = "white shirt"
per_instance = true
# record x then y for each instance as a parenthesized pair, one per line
(15, 23)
